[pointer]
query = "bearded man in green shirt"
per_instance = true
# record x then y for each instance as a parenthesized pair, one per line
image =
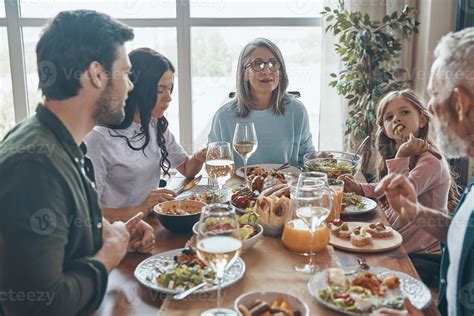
(56, 249)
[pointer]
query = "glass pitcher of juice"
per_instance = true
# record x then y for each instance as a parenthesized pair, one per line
(297, 237)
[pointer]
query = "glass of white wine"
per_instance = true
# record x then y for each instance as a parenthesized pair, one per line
(218, 245)
(219, 163)
(245, 142)
(312, 206)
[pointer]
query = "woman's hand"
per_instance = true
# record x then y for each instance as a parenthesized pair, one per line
(157, 196)
(412, 147)
(201, 155)
(351, 184)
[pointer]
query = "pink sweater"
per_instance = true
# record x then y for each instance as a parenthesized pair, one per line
(431, 180)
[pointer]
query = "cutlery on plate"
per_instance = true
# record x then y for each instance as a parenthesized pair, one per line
(188, 186)
(283, 166)
(362, 263)
(190, 291)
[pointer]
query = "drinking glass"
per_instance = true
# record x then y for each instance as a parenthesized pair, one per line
(218, 245)
(219, 163)
(312, 206)
(245, 142)
(338, 187)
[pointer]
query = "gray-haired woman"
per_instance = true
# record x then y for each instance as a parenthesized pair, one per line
(281, 121)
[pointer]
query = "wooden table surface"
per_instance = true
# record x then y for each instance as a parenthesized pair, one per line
(125, 296)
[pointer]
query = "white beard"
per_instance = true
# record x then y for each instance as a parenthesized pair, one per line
(450, 144)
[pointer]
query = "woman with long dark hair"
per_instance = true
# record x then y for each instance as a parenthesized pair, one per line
(128, 158)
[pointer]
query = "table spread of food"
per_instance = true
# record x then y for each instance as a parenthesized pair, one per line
(263, 202)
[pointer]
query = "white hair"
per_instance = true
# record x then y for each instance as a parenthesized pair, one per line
(455, 61)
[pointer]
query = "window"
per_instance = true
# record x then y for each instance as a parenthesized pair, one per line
(201, 37)
(255, 8)
(7, 114)
(215, 53)
(115, 8)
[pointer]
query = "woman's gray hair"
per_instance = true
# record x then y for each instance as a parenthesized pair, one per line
(455, 61)
(243, 102)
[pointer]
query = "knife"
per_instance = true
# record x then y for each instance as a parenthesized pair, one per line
(188, 186)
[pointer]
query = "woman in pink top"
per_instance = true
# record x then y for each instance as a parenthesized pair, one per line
(402, 144)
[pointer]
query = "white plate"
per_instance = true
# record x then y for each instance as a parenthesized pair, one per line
(268, 166)
(198, 189)
(248, 298)
(414, 289)
(369, 206)
(147, 271)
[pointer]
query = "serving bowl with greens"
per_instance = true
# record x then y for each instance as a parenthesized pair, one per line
(333, 163)
(250, 230)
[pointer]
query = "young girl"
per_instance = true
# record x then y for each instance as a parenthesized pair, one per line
(403, 144)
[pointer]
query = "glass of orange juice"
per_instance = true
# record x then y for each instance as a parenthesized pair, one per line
(297, 237)
(337, 186)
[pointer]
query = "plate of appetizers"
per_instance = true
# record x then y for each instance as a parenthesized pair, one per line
(175, 271)
(267, 168)
(363, 237)
(270, 303)
(354, 204)
(353, 291)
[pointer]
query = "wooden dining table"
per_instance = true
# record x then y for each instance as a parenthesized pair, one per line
(269, 266)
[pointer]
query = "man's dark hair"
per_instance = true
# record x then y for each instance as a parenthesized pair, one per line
(70, 43)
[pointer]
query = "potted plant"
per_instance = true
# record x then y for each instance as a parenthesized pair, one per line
(369, 50)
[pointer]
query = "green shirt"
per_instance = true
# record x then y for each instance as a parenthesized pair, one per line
(50, 223)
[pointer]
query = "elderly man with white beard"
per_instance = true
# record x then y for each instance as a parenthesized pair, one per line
(451, 89)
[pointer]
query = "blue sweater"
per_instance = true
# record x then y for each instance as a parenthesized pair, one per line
(283, 138)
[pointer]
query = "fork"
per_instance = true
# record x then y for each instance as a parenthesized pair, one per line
(362, 265)
(190, 291)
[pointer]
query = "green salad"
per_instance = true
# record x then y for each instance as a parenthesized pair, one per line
(184, 277)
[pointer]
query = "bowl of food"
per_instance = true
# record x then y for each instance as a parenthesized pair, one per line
(264, 303)
(250, 230)
(179, 216)
(333, 163)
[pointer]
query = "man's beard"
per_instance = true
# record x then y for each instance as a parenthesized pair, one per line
(450, 144)
(109, 109)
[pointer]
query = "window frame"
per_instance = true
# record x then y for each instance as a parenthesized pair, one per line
(183, 24)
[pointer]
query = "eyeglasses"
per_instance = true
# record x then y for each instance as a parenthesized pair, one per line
(259, 65)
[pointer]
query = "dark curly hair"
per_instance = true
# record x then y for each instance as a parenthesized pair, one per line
(148, 66)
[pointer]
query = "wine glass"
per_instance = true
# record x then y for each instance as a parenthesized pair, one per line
(219, 163)
(218, 245)
(311, 206)
(245, 142)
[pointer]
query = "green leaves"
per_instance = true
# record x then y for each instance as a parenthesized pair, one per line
(368, 49)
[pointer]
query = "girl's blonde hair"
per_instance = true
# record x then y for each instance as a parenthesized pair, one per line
(386, 147)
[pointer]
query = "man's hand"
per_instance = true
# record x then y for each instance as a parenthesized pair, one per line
(400, 194)
(115, 239)
(142, 237)
(410, 310)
